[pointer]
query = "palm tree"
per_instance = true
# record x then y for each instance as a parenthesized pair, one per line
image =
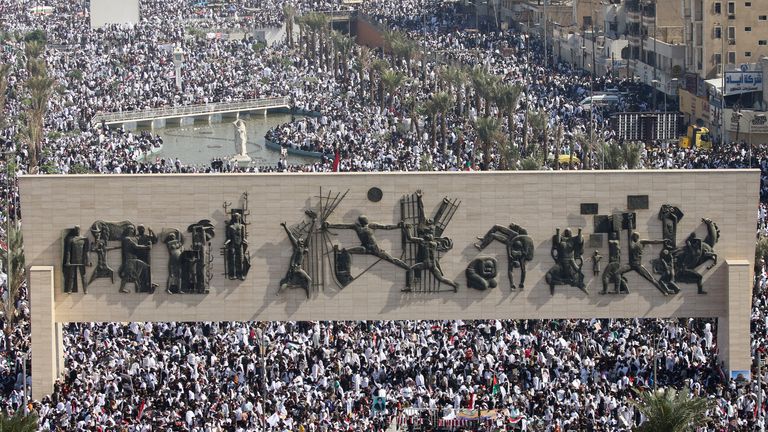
(485, 87)
(317, 24)
(391, 80)
(393, 40)
(668, 410)
(15, 270)
(443, 102)
(289, 14)
(611, 155)
(4, 70)
(489, 133)
(632, 154)
(430, 110)
(558, 143)
(378, 66)
(18, 422)
(364, 61)
(530, 164)
(507, 97)
(539, 122)
(761, 252)
(344, 45)
(478, 78)
(408, 50)
(583, 141)
(33, 49)
(40, 89)
(456, 78)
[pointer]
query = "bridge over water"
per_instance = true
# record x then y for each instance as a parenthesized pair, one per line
(188, 114)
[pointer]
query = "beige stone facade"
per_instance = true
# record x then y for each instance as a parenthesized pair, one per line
(538, 201)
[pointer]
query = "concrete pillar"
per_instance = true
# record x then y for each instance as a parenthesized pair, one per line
(733, 337)
(186, 121)
(131, 125)
(214, 118)
(47, 344)
(158, 123)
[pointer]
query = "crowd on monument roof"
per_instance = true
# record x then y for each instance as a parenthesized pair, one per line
(569, 374)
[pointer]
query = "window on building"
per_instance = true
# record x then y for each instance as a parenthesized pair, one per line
(762, 42)
(747, 4)
(718, 59)
(587, 21)
(747, 29)
(718, 8)
(731, 32)
(762, 17)
(748, 54)
(731, 57)
(731, 8)
(718, 32)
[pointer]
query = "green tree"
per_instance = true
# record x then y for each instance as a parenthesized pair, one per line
(530, 164)
(761, 252)
(5, 69)
(40, 89)
(317, 26)
(18, 422)
(443, 103)
(364, 62)
(289, 14)
(15, 270)
(507, 98)
(485, 86)
(36, 36)
(430, 110)
(344, 45)
(456, 78)
(559, 133)
(378, 66)
(489, 133)
(33, 50)
(632, 154)
(539, 122)
(391, 80)
(669, 410)
(610, 155)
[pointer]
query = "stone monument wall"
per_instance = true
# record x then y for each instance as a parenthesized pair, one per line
(371, 287)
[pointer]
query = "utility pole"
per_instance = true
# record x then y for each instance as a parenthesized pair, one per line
(760, 417)
(593, 48)
(527, 67)
(655, 56)
(723, 35)
(24, 372)
(546, 18)
(10, 159)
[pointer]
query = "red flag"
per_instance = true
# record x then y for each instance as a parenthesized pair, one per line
(471, 404)
(336, 159)
(141, 409)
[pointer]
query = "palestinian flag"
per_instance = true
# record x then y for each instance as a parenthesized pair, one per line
(495, 385)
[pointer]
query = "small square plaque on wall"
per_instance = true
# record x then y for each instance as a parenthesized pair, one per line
(637, 202)
(589, 208)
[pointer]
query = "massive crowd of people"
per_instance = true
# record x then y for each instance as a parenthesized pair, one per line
(322, 376)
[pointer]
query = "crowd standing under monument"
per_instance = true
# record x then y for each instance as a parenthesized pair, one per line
(434, 113)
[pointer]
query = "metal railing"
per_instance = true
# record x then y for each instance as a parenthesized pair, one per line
(190, 110)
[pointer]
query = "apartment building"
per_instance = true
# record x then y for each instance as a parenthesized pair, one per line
(730, 32)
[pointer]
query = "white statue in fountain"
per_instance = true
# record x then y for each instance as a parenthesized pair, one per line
(241, 140)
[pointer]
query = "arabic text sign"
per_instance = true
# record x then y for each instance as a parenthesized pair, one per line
(743, 82)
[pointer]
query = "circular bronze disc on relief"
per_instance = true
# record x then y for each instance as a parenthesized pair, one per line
(375, 194)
